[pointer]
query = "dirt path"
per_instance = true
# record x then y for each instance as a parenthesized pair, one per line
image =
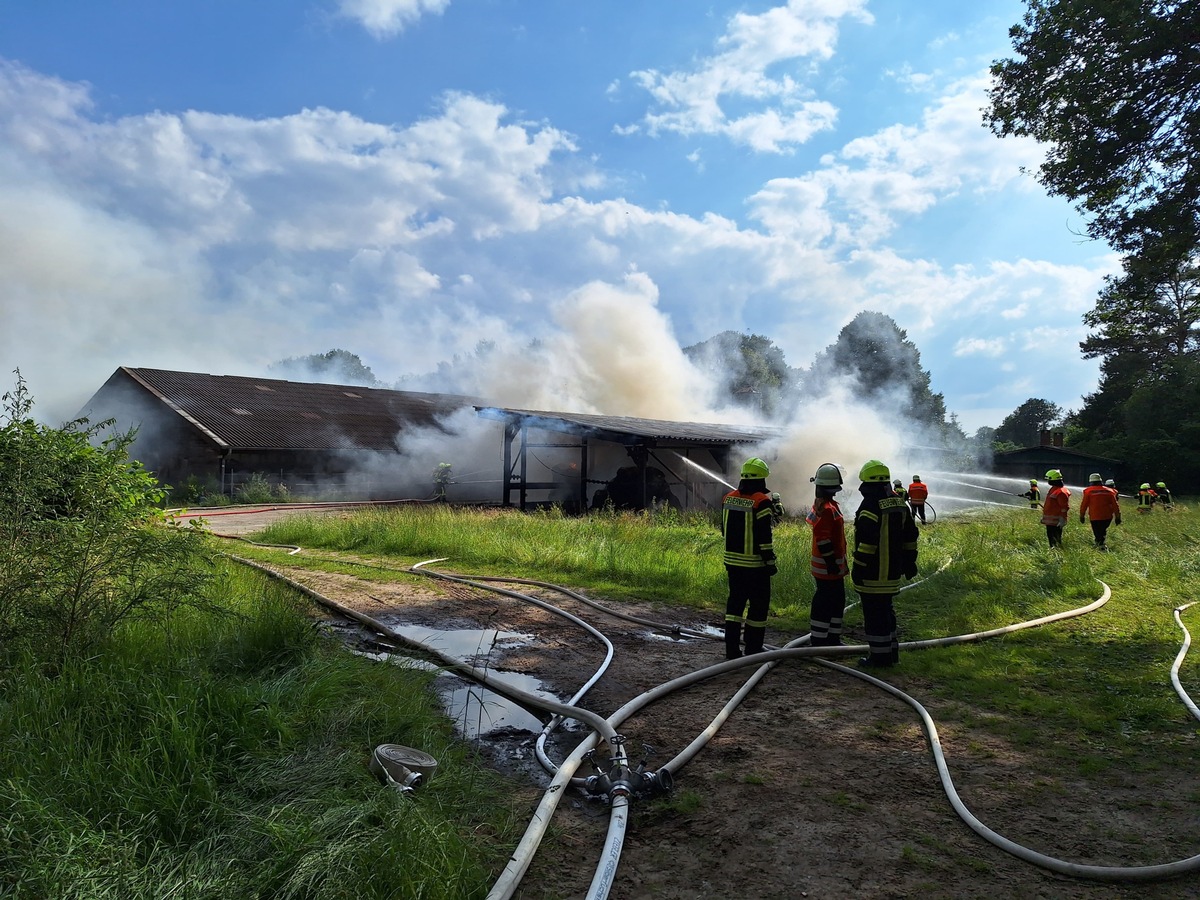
(818, 786)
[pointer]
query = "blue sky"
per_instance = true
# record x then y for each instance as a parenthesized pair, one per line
(215, 186)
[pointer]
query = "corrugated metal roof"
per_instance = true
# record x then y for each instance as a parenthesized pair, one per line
(629, 430)
(272, 414)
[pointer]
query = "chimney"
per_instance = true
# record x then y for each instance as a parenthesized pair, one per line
(1046, 438)
(1058, 438)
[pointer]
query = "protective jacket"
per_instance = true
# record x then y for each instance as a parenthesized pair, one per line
(746, 524)
(917, 492)
(828, 539)
(1100, 503)
(1057, 506)
(885, 545)
(1146, 498)
(1033, 495)
(900, 492)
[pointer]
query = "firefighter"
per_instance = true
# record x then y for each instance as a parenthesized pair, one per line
(917, 495)
(746, 517)
(1146, 497)
(1100, 504)
(885, 552)
(1164, 496)
(1055, 509)
(899, 490)
(1033, 495)
(829, 568)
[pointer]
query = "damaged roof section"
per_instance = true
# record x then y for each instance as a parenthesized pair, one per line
(243, 413)
(632, 431)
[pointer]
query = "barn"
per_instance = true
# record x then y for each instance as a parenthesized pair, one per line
(346, 442)
(1034, 462)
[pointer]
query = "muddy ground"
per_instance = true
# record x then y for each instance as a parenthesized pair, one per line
(819, 785)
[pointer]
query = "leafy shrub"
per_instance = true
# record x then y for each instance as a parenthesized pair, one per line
(258, 489)
(84, 543)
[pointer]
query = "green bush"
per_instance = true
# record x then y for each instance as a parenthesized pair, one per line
(83, 540)
(258, 489)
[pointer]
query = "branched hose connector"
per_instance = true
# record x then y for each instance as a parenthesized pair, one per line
(619, 780)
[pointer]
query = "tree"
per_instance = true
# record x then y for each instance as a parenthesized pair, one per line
(1025, 424)
(1113, 90)
(874, 353)
(335, 367)
(1153, 313)
(751, 369)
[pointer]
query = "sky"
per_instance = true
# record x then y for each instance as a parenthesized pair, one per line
(216, 186)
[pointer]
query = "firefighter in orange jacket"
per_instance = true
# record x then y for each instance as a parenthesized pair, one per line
(1056, 508)
(828, 559)
(1101, 505)
(917, 495)
(746, 516)
(885, 552)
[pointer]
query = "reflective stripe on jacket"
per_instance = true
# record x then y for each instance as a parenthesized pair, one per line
(885, 545)
(828, 539)
(746, 524)
(1057, 506)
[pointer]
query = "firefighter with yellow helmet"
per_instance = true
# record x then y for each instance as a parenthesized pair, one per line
(1056, 509)
(746, 523)
(885, 553)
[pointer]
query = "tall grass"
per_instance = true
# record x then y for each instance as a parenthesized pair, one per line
(226, 757)
(1104, 676)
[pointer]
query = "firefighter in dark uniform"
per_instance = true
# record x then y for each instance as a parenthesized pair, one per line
(885, 553)
(746, 516)
(1033, 495)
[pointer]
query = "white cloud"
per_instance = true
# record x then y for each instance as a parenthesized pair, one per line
(993, 347)
(695, 101)
(387, 18)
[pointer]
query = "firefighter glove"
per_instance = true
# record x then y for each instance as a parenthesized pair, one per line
(772, 569)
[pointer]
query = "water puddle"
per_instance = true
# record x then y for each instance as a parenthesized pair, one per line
(475, 710)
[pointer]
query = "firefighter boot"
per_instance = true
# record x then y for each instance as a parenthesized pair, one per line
(733, 640)
(754, 639)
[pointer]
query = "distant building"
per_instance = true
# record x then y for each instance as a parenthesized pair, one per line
(1034, 462)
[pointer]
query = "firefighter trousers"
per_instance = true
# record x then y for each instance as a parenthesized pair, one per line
(879, 622)
(748, 587)
(825, 614)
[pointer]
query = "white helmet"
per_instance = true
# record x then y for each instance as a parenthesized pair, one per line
(828, 475)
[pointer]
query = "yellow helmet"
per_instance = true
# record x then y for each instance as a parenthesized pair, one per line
(1033, 481)
(1054, 475)
(1160, 484)
(1145, 486)
(755, 468)
(874, 470)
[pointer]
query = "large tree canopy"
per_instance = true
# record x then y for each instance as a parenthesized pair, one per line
(752, 370)
(1112, 88)
(884, 366)
(336, 366)
(1024, 425)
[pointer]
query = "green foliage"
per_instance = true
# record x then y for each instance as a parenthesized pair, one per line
(82, 540)
(1023, 426)
(875, 354)
(227, 757)
(259, 489)
(336, 366)
(751, 369)
(1113, 92)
